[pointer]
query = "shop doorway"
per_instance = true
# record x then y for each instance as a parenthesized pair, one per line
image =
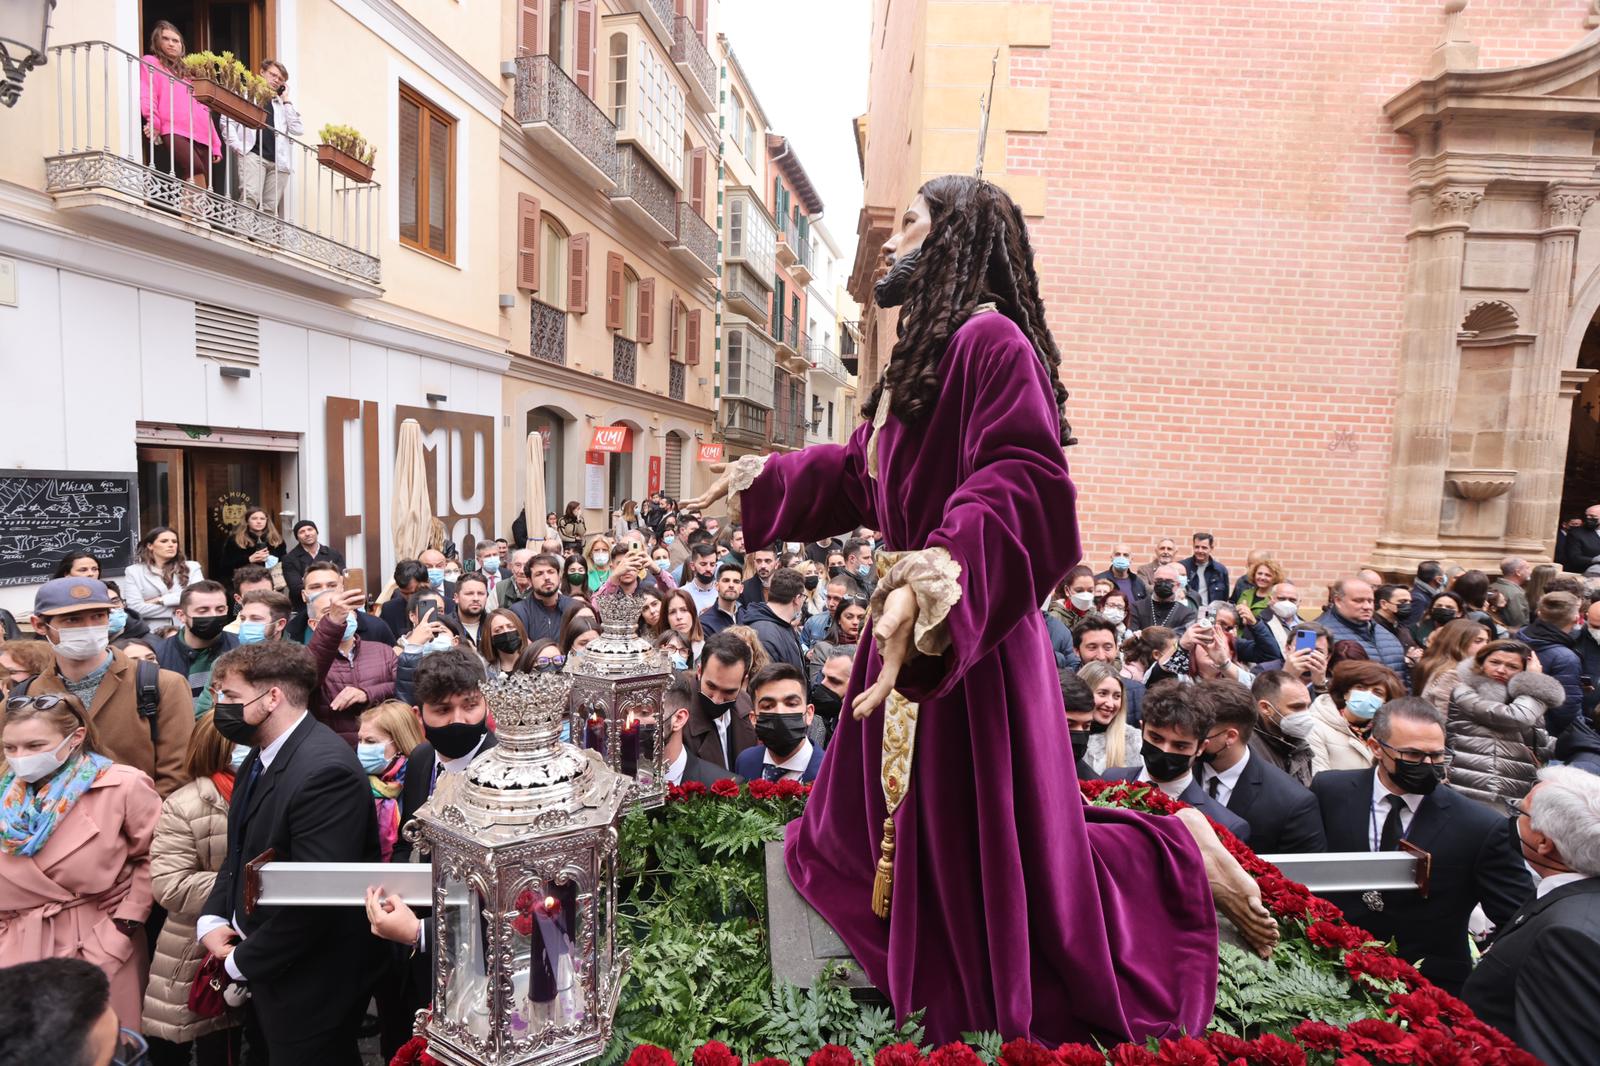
(203, 493)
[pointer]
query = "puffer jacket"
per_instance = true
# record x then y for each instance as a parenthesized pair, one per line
(190, 845)
(1496, 733)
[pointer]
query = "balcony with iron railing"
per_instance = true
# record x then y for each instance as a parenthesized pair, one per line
(798, 250)
(677, 380)
(624, 360)
(823, 361)
(326, 231)
(660, 14)
(786, 334)
(560, 117)
(787, 244)
(696, 242)
(744, 422)
(644, 195)
(699, 69)
(746, 292)
(548, 333)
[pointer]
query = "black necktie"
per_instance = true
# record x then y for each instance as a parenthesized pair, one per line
(772, 772)
(241, 796)
(1389, 838)
(1211, 785)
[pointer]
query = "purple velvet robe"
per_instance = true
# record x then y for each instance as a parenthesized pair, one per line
(1016, 906)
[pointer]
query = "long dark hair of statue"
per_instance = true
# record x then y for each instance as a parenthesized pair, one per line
(976, 251)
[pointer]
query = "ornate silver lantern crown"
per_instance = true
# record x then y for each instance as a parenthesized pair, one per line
(619, 651)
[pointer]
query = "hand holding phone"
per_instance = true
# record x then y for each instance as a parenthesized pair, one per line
(1305, 641)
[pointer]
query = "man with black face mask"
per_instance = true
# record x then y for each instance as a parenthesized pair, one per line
(200, 640)
(1170, 605)
(449, 699)
(782, 720)
(828, 689)
(1176, 728)
(1582, 547)
(1403, 799)
(719, 727)
(1079, 703)
(683, 765)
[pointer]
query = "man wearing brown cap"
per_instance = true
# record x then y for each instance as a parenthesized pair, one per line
(142, 715)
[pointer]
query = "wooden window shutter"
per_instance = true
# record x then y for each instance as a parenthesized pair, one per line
(691, 338)
(529, 22)
(527, 243)
(697, 181)
(583, 62)
(614, 284)
(647, 311)
(578, 273)
(673, 337)
(700, 19)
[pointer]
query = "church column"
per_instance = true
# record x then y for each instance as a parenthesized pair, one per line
(1428, 366)
(1538, 418)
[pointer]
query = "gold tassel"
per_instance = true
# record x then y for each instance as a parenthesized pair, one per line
(883, 883)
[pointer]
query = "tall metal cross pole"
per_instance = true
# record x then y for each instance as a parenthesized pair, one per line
(985, 103)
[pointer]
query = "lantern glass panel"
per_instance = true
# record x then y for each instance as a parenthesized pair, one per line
(550, 979)
(465, 945)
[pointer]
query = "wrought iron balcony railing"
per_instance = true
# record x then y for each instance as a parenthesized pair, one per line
(624, 360)
(690, 54)
(548, 338)
(648, 197)
(546, 97)
(321, 216)
(697, 236)
(824, 361)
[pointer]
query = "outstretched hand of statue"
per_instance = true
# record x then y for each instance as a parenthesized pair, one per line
(892, 634)
(717, 490)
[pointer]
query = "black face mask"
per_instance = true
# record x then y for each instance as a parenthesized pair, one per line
(781, 733)
(1165, 587)
(835, 571)
(1163, 765)
(826, 702)
(1080, 743)
(1098, 727)
(1591, 521)
(893, 288)
(456, 739)
(229, 720)
(209, 627)
(1442, 615)
(713, 709)
(1417, 778)
(811, 582)
(507, 643)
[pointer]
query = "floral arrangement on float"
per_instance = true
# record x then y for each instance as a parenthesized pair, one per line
(700, 990)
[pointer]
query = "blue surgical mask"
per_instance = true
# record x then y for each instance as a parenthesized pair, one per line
(864, 570)
(442, 642)
(240, 752)
(491, 565)
(1363, 705)
(669, 540)
(272, 560)
(679, 662)
(1120, 562)
(373, 760)
(436, 576)
(350, 625)
(252, 632)
(119, 620)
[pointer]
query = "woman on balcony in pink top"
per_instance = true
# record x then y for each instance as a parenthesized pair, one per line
(184, 139)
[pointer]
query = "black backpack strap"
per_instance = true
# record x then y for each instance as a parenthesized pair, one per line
(148, 686)
(21, 687)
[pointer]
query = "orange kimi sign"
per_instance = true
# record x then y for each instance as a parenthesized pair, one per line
(611, 439)
(710, 453)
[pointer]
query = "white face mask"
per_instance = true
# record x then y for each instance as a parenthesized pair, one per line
(1082, 600)
(1594, 631)
(1286, 609)
(34, 768)
(1114, 615)
(83, 643)
(602, 558)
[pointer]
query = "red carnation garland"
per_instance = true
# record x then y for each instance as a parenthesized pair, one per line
(1426, 1026)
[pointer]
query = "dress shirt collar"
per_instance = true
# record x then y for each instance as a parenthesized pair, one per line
(1549, 884)
(452, 766)
(1230, 776)
(1173, 788)
(270, 752)
(676, 767)
(795, 763)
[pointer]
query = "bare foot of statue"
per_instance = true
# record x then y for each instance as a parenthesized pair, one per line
(1235, 892)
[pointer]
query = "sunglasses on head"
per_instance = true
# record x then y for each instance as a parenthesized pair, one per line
(44, 702)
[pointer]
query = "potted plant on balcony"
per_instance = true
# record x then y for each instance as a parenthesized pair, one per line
(346, 151)
(228, 87)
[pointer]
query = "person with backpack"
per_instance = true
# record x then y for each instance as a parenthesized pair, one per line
(142, 715)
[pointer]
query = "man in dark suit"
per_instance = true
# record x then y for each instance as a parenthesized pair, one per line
(542, 608)
(1472, 858)
(782, 720)
(1539, 981)
(683, 765)
(1283, 814)
(719, 723)
(1175, 726)
(303, 796)
(1131, 585)
(1207, 578)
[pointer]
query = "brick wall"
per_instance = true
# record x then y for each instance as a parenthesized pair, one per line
(1223, 257)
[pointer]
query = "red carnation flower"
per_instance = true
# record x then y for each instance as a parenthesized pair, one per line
(762, 789)
(1378, 965)
(675, 793)
(1515, 1057)
(522, 924)
(1131, 1055)
(1228, 1047)
(714, 1053)
(1185, 1051)
(650, 1055)
(1352, 1060)
(1432, 1045)
(414, 1052)
(1080, 1054)
(1092, 790)
(1319, 1036)
(725, 787)
(1270, 1049)
(827, 1054)
(1486, 1035)
(956, 1054)
(1415, 1007)
(789, 789)
(692, 788)
(1321, 909)
(1382, 1040)
(1020, 1052)
(898, 1055)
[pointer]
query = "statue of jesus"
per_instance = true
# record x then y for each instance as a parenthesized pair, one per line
(946, 840)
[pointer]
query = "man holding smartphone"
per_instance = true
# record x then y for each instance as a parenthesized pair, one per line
(264, 159)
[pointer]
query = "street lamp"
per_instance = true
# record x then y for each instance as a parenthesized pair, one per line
(24, 27)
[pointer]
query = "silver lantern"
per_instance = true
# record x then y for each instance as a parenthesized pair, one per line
(618, 683)
(524, 848)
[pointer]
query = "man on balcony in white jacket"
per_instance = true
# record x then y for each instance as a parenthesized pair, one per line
(264, 158)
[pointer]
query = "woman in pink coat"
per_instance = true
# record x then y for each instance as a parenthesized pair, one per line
(177, 125)
(75, 832)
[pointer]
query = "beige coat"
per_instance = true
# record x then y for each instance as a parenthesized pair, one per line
(1333, 745)
(190, 846)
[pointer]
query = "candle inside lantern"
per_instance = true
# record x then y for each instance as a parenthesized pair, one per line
(630, 749)
(594, 733)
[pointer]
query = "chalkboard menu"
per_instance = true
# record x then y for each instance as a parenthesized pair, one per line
(45, 514)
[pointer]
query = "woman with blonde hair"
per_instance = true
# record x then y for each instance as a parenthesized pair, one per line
(1261, 573)
(758, 654)
(598, 557)
(1112, 741)
(191, 843)
(75, 833)
(1434, 677)
(389, 734)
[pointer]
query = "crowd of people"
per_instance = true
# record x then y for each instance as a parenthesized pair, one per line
(164, 728)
